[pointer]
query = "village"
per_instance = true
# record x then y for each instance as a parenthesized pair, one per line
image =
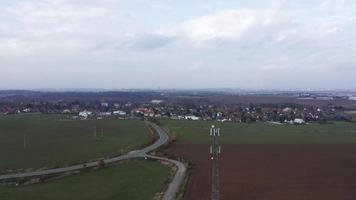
(157, 108)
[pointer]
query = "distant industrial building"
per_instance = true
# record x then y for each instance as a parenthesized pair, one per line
(156, 101)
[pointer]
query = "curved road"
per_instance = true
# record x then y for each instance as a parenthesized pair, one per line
(142, 153)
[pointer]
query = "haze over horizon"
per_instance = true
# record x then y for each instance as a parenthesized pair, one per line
(274, 44)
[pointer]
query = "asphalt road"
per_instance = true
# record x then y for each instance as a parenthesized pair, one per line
(177, 180)
(169, 194)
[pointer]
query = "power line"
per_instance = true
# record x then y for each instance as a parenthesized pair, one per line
(215, 151)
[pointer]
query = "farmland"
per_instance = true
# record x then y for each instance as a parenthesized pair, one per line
(132, 180)
(197, 132)
(268, 161)
(37, 140)
(273, 171)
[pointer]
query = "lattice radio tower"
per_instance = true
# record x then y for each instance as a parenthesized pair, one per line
(215, 151)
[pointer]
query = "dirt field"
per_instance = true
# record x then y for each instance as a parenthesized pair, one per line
(275, 172)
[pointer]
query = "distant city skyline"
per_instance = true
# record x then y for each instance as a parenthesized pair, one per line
(145, 44)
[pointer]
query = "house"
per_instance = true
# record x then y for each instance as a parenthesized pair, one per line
(66, 111)
(144, 111)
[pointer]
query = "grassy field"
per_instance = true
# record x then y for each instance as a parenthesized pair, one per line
(133, 180)
(53, 141)
(262, 133)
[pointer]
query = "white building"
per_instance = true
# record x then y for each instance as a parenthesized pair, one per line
(298, 121)
(155, 101)
(26, 110)
(352, 98)
(85, 114)
(287, 110)
(104, 104)
(119, 112)
(105, 114)
(191, 117)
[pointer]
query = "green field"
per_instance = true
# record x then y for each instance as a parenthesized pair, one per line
(129, 181)
(262, 133)
(53, 140)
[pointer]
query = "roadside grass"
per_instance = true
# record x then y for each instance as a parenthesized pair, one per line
(197, 132)
(53, 140)
(134, 180)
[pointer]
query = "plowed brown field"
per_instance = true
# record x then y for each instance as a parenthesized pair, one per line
(273, 172)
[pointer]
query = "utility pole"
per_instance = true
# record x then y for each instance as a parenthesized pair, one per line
(24, 142)
(215, 151)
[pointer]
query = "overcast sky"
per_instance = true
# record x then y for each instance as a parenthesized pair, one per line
(108, 44)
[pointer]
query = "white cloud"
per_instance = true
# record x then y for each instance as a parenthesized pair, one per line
(147, 42)
(227, 24)
(323, 28)
(226, 41)
(285, 35)
(198, 66)
(31, 27)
